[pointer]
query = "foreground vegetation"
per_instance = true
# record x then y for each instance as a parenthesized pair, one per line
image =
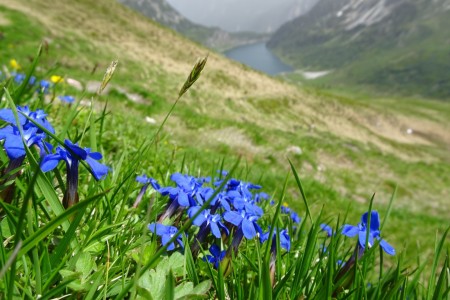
(349, 148)
(81, 238)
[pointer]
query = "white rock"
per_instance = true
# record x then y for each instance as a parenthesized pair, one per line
(75, 84)
(295, 150)
(150, 120)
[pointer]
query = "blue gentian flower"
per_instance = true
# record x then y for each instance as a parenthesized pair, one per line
(14, 142)
(14, 146)
(216, 257)
(327, 229)
(374, 232)
(214, 221)
(285, 209)
(33, 135)
(285, 240)
(245, 221)
(32, 80)
(38, 116)
(67, 99)
(295, 218)
(245, 202)
(19, 78)
(72, 156)
(166, 233)
(220, 201)
(260, 197)
(146, 181)
(184, 192)
(240, 186)
(44, 87)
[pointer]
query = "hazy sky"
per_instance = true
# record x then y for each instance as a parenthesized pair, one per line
(242, 15)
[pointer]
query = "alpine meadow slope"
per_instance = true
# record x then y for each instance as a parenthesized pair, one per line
(349, 148)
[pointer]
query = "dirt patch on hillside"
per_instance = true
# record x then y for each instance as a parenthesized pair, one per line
(234, 138)
(3, 20)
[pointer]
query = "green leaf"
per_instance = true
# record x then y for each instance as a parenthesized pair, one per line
(85, 264)
(190, 264)
(186, 290)
(169, 287)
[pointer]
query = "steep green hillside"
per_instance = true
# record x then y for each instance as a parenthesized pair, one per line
(400, 46)
(349, 148)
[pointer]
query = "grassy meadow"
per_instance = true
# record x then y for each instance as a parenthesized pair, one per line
(351, 152)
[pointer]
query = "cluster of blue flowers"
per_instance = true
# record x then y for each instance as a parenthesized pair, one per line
(31, 130)
(237, 208)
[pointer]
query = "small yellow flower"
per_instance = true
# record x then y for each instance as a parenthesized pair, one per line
(14, 64)
(285, 204)
(56, 79)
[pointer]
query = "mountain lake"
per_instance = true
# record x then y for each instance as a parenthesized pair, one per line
(258, 57)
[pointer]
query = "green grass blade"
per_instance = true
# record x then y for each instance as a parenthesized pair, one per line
(440, 288)
(169, 287)
(388, 212)
(44, 231)
(302, 192)
(437, 254)
(190, 264)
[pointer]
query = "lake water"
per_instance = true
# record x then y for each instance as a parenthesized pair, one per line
(258, 57)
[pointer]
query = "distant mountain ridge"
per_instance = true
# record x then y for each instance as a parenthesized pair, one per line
(162, 12)
(238, 15)
(403, 44)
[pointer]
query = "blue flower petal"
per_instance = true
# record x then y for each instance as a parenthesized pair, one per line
(183, 199)
(387, 247)
(248, 229)
(374, 220)
(180, 241)
(159, 229)
(215, 230)
(215, 250)
(165, 239)
(77, 150)
(362, 239)
(350, 230)
(14, 146)
(233, 217)
(327, 229)
(200, 218)
(7, 115)
(142, 179)
(50, 162)
(98, 170)
(96, 155)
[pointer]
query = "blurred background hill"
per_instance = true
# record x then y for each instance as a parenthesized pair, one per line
(399, 46)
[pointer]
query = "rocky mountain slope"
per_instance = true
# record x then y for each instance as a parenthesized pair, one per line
(401, 45)
(162, 12)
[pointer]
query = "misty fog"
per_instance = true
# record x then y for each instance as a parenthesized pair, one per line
(242, 15)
